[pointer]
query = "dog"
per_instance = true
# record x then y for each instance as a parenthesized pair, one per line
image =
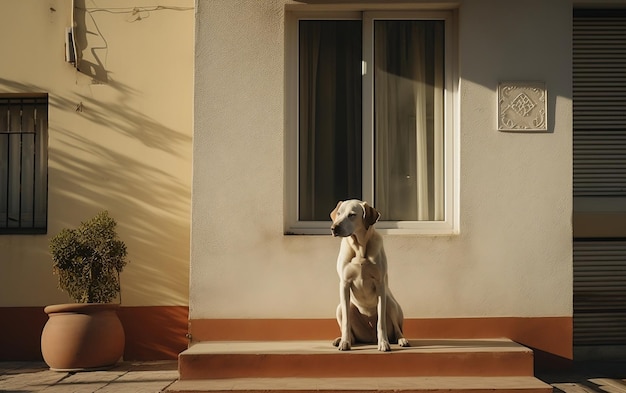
(367, 311)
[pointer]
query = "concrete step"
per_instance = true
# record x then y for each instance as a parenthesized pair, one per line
(319, 359)
(368, 384)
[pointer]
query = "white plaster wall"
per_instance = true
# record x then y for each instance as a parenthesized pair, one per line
(513, 256)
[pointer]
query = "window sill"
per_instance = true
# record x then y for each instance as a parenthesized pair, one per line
(384, 227)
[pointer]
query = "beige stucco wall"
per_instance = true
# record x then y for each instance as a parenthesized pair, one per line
(120, 135)
(513, 255)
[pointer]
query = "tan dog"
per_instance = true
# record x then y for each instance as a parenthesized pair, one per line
(367, 312)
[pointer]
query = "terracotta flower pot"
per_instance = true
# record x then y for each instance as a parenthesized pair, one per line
(82, 336)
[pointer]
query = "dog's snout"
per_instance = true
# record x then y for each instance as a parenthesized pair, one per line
(339, 230)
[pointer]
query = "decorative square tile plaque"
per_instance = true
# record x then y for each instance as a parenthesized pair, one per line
(522, 106)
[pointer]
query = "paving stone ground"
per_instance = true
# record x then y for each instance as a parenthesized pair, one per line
(154, 377)
(135, 377)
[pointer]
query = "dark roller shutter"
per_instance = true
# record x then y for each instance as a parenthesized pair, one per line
(599, 101)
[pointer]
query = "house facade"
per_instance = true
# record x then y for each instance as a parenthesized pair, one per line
(455, 119)
(106, 116)
(220, 134)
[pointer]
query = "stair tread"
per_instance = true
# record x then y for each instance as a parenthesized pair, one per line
(313, 359)
(363, 384)
(325, 347)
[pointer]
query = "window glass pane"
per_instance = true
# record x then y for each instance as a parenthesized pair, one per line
(330, 132)
(13, 160)
(41, 167)
(27, 167)
(408, 119)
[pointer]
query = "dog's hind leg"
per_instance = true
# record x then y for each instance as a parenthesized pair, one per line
(395, 320)
(397, 329)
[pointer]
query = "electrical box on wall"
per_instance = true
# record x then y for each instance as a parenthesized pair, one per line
(70, 52)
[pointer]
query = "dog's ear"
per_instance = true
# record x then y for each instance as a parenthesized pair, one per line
(370, 215)
(333, 214)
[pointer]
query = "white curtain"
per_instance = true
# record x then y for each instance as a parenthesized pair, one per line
(408, 136)
(330, 132)
(408, 118)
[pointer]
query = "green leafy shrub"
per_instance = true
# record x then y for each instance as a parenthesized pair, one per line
(88, 260)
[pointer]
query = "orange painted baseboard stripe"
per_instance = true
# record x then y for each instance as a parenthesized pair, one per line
(551, 335)
(152, 332)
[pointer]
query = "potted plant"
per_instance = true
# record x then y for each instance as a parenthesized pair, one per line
(87, 334)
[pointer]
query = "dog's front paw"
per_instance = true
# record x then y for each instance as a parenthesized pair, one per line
(383, 346)
(403, 342)
(343, 345)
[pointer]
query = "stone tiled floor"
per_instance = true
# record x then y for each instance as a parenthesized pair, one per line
(140, 377)
(135, 377)
(589, 377)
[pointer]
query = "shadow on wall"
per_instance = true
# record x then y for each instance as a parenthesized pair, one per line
(130, 178)
(164, 340)
(91, 42)
(89, 61)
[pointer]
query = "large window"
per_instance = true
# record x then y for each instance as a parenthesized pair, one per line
(373, 119)
(23, 164)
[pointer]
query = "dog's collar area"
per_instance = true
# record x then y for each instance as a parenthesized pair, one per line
(360, 251)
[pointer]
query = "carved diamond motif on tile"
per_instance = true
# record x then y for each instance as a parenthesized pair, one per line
(523, 105)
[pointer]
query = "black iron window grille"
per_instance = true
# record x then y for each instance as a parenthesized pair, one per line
(23, 164)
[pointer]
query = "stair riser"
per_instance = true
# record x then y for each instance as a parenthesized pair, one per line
(374, 391)
(220, 366)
